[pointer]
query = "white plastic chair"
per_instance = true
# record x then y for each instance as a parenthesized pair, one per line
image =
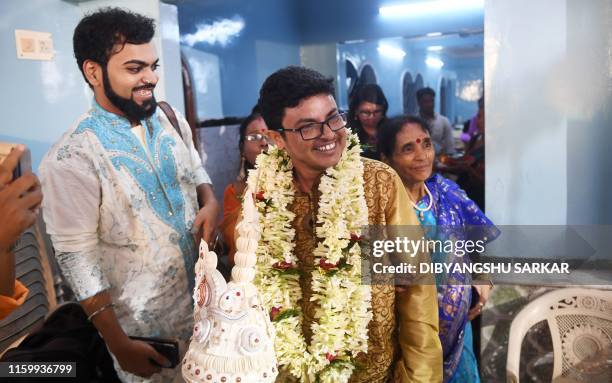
(580, 323)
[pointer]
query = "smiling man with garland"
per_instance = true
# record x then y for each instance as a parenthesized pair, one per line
(315, 193)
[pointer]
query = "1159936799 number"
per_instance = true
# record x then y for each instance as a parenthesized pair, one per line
(37, 370)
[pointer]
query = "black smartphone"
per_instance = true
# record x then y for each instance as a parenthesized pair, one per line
(167, 347)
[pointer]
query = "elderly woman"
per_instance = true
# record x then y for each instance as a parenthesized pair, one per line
(446, 213)
(252, 141)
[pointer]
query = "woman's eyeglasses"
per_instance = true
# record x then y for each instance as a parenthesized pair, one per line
(256, 137)
(370, 113)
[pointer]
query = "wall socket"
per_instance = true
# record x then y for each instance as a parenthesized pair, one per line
(32, 45)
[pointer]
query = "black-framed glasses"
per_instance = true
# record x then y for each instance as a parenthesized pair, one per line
(313, 130)
(370, 113)
(256, 137)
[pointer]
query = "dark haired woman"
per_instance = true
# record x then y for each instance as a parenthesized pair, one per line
(252, 141)
(367, 110)
(446, 213)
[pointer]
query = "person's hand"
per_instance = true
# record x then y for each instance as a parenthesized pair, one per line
(9, 164)
(135, 356)
(19, 200)
(206, 221)
(483, 293)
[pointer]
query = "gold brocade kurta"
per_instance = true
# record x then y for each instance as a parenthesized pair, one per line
(403, 344)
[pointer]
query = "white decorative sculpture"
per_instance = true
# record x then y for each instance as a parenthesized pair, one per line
(233, 339)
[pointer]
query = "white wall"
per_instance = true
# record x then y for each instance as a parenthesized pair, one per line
(206, 82)
(322, 58)
(171, 53)
(548, 79)
(526, 173)
(587, 79)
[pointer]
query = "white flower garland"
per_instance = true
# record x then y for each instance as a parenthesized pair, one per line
(343, 302)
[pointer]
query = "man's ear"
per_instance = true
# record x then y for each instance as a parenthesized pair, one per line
(93, 72)
(278, 138)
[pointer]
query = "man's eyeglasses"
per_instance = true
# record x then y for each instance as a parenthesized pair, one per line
(256, 137)
(370, 113)
(313, 130)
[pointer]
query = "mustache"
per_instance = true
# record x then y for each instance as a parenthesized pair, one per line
(144, 87)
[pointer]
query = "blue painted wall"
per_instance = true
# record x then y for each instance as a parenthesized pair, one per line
(39, 99)
(390, 73)
(276, 29)
(340, 20)
(269, 41)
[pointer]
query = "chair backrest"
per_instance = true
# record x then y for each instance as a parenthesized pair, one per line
(580, 323)
(35, 268)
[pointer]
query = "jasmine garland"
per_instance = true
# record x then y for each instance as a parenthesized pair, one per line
(343, 303)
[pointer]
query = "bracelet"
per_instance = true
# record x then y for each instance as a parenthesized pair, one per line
(98, 311)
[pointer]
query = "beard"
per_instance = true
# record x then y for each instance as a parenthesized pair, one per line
(128, 106)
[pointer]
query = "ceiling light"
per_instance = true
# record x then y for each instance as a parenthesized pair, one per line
(427, 7)
(391, 52)
(435, 48)
(434, 34)
(434, 62)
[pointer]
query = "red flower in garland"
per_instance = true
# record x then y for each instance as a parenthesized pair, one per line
(326, 265)
(274, 312)
(260, 196)
(282, 265)
(356, 238)
(330, 357)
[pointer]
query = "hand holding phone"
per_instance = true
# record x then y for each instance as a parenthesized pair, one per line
(20, 197)
(15, 161)
(137, 357)
(167, 347)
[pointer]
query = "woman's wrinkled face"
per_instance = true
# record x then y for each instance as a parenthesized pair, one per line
(413, 154)
(255, 140)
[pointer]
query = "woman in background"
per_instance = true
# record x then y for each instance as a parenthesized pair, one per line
(445, 212)
(470, 168)
(252, 141)
(367, 110)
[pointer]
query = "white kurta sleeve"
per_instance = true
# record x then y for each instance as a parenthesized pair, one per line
(198, 169)
(71, 204)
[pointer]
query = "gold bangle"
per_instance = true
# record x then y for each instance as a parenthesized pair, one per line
(98, 311)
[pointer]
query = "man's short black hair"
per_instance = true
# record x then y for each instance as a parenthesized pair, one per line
(97, 34)
(285, 88)
(425, 91)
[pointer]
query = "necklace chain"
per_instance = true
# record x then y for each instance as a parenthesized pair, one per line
(429, 205)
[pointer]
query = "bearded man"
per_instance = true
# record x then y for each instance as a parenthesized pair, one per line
(121, 198)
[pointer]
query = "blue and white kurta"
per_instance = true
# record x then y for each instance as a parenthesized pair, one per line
(119, 211)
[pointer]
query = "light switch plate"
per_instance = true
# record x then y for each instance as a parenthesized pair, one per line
(32, 45)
